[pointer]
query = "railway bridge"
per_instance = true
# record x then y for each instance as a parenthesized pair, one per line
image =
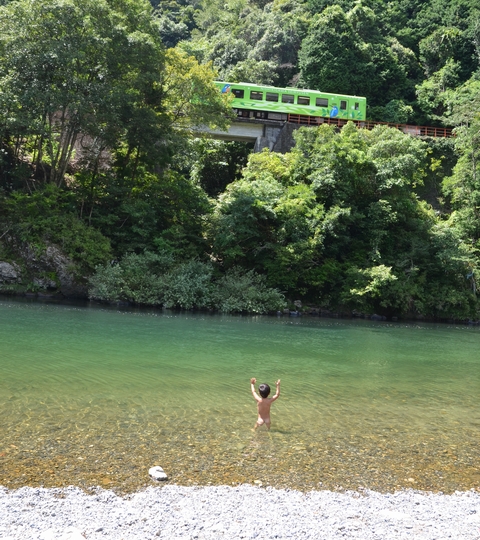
(278, 135)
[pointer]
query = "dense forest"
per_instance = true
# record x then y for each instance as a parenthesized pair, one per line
(109, 190)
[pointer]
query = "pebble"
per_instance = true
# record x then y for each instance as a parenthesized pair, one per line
(245, 511)
(157, 473)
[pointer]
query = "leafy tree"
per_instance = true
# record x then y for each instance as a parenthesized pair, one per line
(278, 39)
(258, 71)
(438, 48)
(189, 286)
(463, 187)
(330, 53)
(215, 164)
(191, 98)
(433, 93)
(262, 222)
(334, 57)
(73, 68)
(338, 220)
(251, 41)
(138, 278)
(176, 20)
(157, 279)
(152, 212)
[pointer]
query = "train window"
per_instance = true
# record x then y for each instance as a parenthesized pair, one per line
(343, 105)
(256, 95)
(238, 93)
(357, 106)
(272, 97)
(303, 100)
(321, 102)
(287, 98)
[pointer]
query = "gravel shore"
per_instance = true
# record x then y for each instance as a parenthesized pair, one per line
(217, 512)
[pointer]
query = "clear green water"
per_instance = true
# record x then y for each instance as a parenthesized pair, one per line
(92, 396)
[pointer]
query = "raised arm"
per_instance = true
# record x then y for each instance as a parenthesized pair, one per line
(277, 393)
(252, 387)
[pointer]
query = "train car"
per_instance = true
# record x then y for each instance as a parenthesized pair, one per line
(272, 103)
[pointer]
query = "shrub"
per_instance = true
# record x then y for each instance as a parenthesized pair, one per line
(153, 279)
(106, 284)
(144, 277)
(241, 291)
(136, 278)
(189, 285)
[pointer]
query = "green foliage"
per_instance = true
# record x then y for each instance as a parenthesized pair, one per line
(152, 211)
(440, 47)
(74, 70)
(189, 285)
(214, 164)
(137, 278)
(463, 187)
(331, 43)
(369, 286)
(344, 53)
(191, 99)
(239, 291)
(376, 49)
(338, 221)
(106, 284)
(395, 111)
(176, 20)
(91, 100)
(157, 279)
(252, 41)
(434, 92)
(47, 217)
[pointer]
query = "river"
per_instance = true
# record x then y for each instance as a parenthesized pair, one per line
(96, 396)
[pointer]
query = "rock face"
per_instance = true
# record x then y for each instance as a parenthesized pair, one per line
(9, 273)
(62, 266)
(53, 270)
(49, 270)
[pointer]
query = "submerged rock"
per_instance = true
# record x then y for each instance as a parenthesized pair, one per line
(157, 473)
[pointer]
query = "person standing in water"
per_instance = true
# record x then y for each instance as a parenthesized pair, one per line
(263, 402)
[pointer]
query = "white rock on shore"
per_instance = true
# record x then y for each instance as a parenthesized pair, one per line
(221, 512)
(157, 473)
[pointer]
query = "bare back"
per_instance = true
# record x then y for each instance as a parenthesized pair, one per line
(263, 407)
(264, 404)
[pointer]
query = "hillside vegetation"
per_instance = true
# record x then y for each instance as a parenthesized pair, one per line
(107, 189)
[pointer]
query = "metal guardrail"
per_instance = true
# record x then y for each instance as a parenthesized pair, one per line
(416, 131)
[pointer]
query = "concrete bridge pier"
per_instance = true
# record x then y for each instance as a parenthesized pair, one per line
(276, 138)
(274, 135)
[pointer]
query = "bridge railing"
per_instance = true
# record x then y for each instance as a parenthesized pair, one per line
(417, 131)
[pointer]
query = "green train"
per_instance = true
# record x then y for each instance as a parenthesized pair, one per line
(272, 103)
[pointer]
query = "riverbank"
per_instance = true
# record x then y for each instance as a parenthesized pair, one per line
(210, 513)
(295, 310)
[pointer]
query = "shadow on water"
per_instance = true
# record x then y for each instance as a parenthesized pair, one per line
(95, 395)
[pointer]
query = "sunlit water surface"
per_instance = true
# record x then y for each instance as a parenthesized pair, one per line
(95, 396)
